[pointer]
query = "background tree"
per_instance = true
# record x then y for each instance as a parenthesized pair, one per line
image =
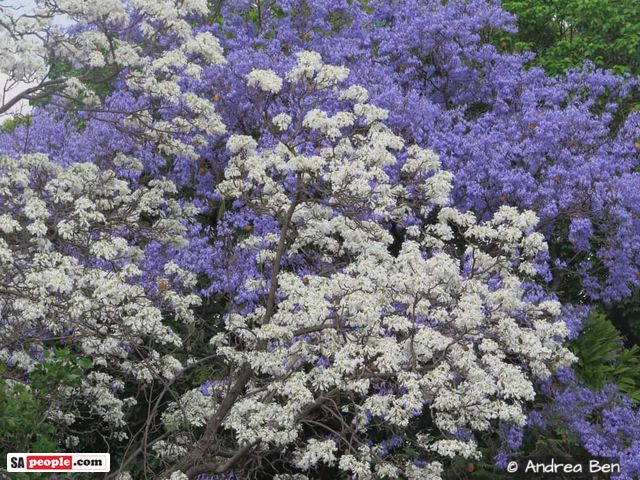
(565, 33)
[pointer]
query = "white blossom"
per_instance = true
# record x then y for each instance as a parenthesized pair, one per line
(307, 65)
(265, 80)
(282, 121)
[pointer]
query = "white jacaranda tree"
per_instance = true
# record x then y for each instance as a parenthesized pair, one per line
(71, 260)
(357, 339)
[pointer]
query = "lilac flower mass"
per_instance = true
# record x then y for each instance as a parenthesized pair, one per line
(313, 239)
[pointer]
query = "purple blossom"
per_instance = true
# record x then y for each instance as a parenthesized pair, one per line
(580, 232)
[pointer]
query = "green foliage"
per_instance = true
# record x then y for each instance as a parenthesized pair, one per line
(61, 367)
(625, 315)
(564, 33)
(98, 81)
(23, 427)
(602, 357)
(11, 124)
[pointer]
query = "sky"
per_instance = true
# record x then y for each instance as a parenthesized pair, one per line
(24, 6)
(27, 4)
(21, 107)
